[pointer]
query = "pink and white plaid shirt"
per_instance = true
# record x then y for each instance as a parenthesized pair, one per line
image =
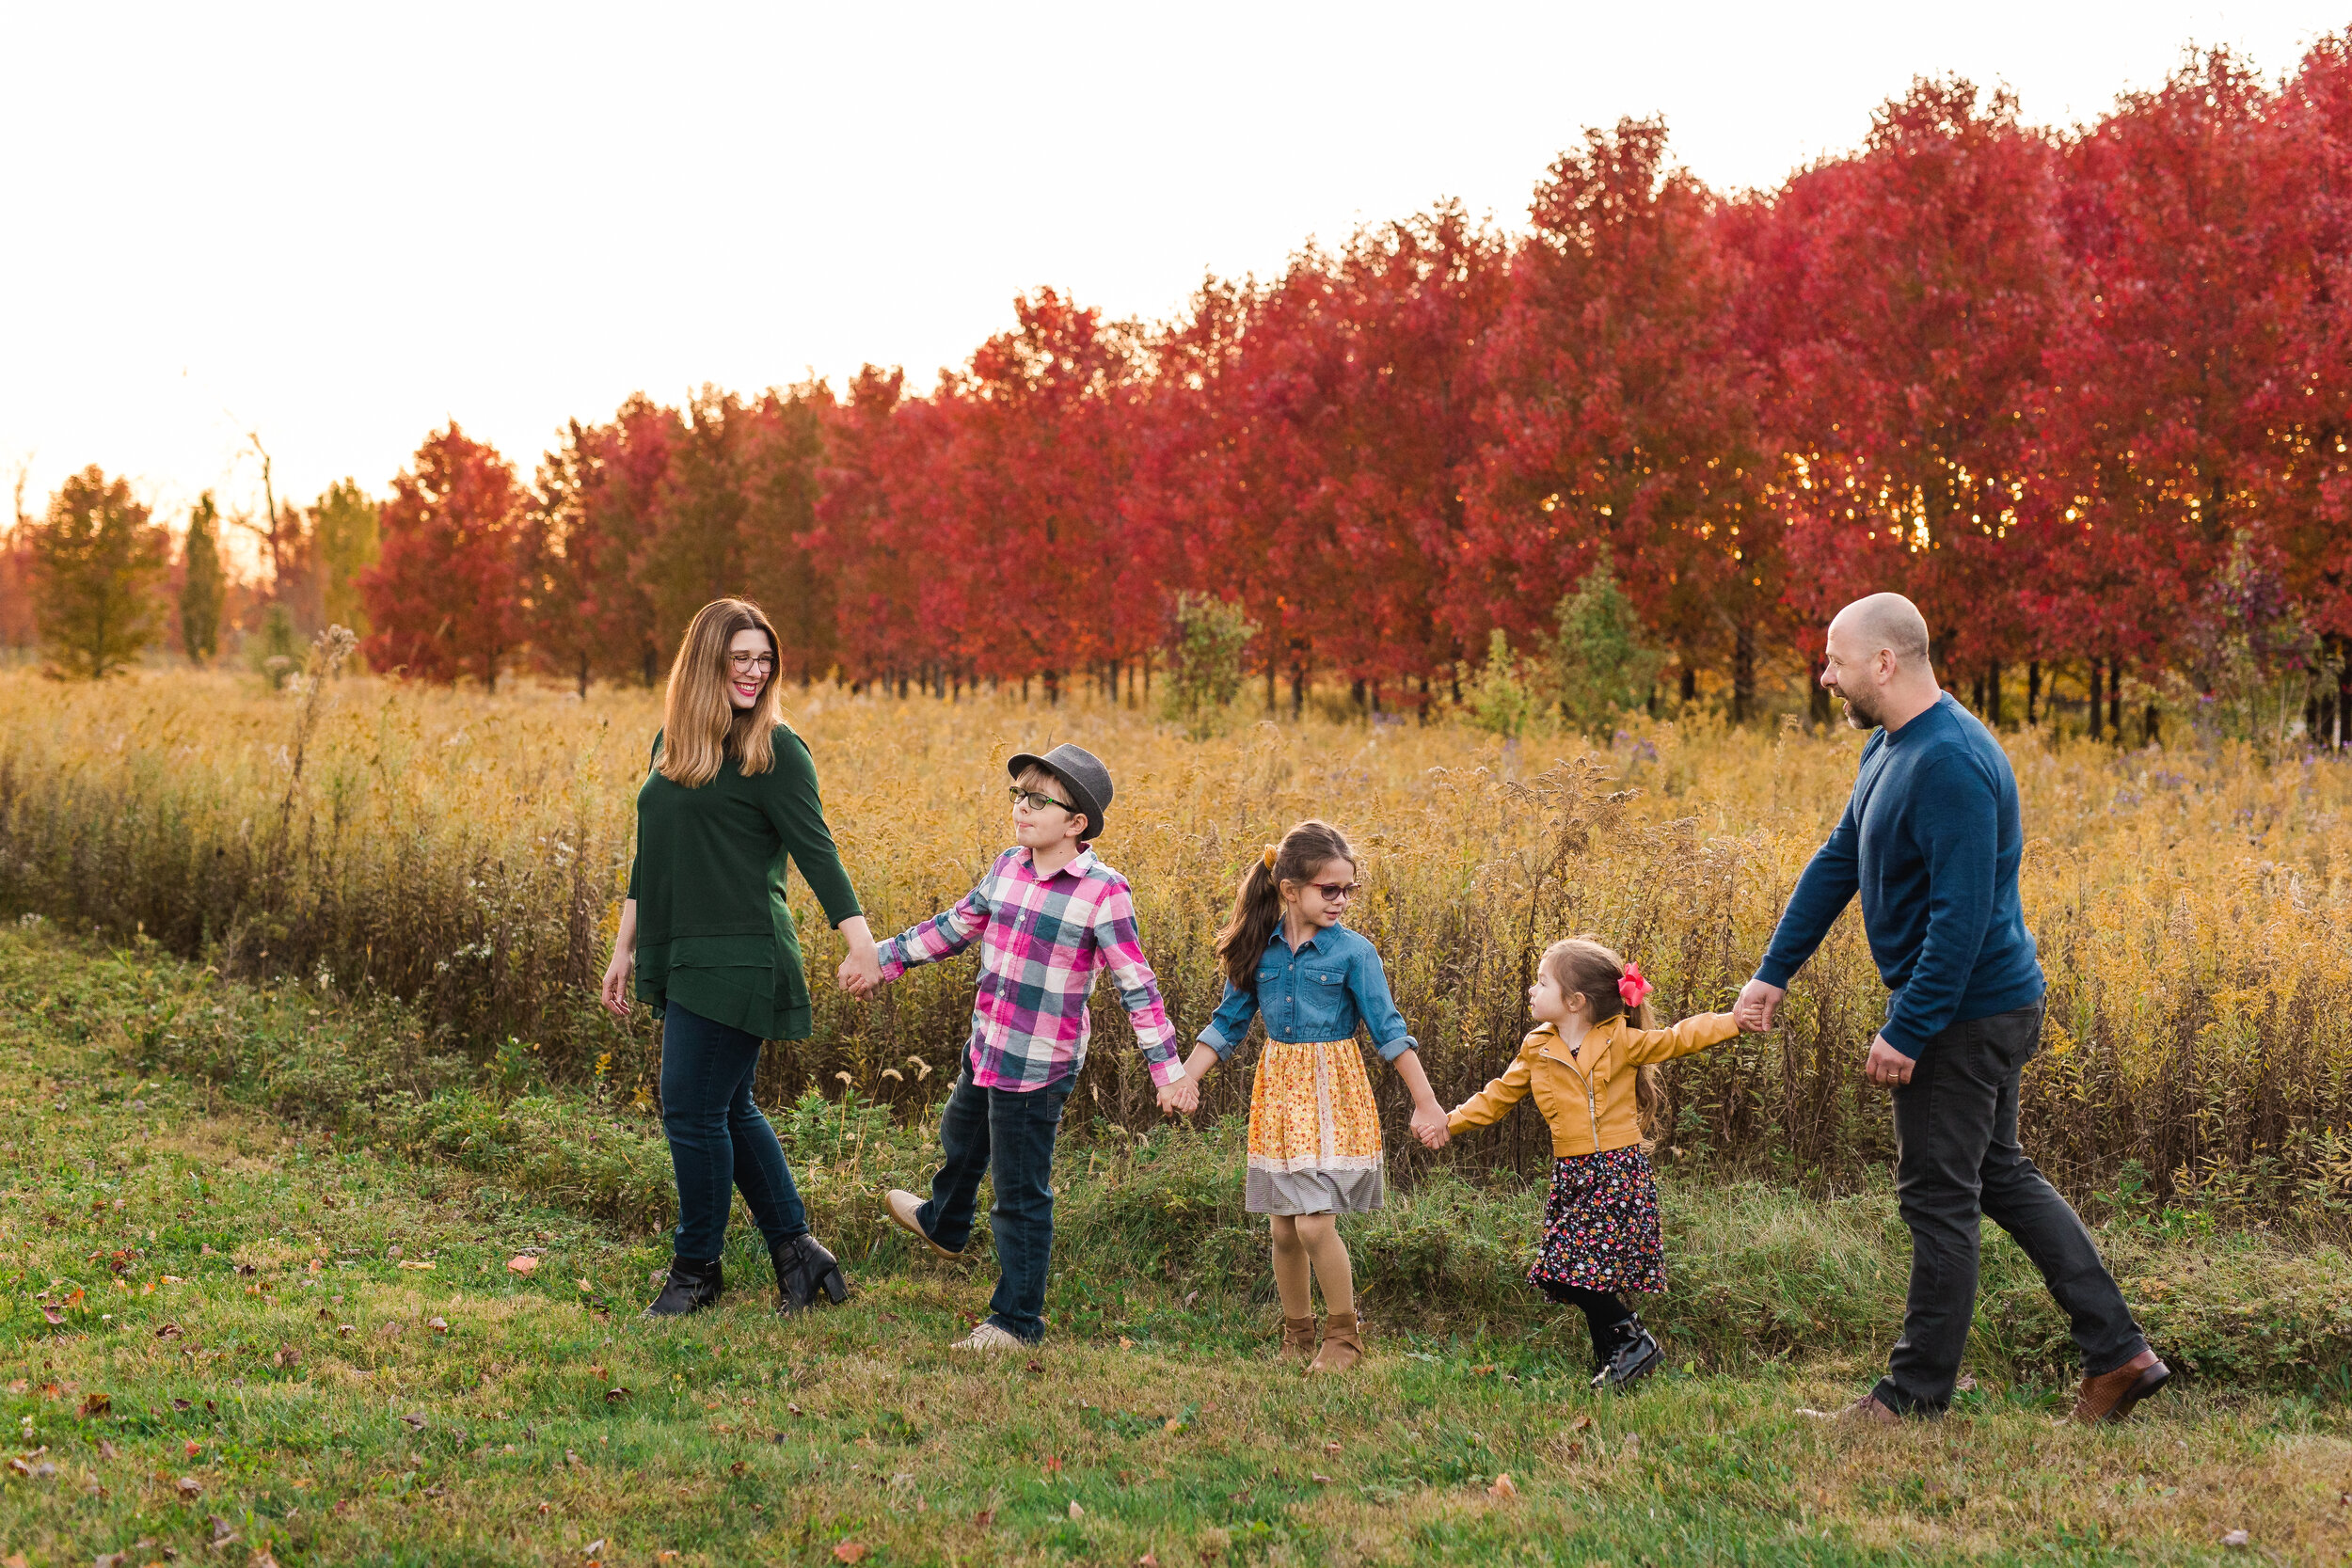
(1042, 942)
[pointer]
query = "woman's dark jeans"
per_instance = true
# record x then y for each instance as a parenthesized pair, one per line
(1007, 1134)
(719, 1140)
(1956, 1159)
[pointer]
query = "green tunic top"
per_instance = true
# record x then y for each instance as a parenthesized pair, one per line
(712, 930)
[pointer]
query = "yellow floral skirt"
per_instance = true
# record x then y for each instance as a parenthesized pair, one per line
(1315, 1134)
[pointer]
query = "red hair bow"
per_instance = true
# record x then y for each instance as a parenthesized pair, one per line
(1631, 987)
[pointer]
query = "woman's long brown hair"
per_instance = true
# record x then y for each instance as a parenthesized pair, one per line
(1258, 902)
(1582, 963)
(701, 726)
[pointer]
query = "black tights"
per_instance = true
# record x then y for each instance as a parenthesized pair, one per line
(1604, 1314)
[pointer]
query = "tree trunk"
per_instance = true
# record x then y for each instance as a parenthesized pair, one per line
(2148, 723)
(1299, 688)
(1992, 694)
(583, 676)
(2091, 718)
(2033, 693)
(1690, 683)
(2115, 698)
(1742, 673)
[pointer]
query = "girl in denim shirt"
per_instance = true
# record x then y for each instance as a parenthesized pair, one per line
(1315, 1136)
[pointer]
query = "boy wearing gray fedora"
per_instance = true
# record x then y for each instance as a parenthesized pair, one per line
(1048, 916)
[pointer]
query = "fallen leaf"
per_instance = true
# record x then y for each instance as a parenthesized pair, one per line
(525, 1264)
(1581, 1423)
(1503, 1491)
(345, 1329)
(585, 1286)
(1075, 1511)
(1322, 1480)
(107, 1450)
(222, 1530)
(1125, 1343)
(738, 1467)
(415, 1420)
(19, 1466)
(193, 1447)
(615, 1394)
(169, 1331)
(985, 1518)
(1036, 1365)
(184, 1404)
(794, 1408)
(594, 1546)
(1487, 1371)
(97, 1404)
(261, 1558)
(1332, 1447)
(439, 1325)
(51, 1315)
(2237, 1538)
(848, 1551)
(16, 1559)
(1147, 1559)
(189, 1488)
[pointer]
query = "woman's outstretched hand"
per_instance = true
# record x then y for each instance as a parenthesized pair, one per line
(617, 975)
(1430, 1128)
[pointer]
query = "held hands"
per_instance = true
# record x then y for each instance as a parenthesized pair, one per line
(860, 974)
(1429, 1126)
(1182, 1098)
(1757, 1003)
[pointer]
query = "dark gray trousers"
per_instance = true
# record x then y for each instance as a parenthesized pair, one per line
(1958, 1159)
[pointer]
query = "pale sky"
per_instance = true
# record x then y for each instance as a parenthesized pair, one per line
(339, 227)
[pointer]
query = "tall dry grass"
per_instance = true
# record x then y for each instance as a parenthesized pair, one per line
(465, 853)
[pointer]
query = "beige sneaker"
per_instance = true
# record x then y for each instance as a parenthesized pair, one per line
(988, 1336)
(903, 1206)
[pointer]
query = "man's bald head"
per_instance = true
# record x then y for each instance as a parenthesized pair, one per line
(1885, 621)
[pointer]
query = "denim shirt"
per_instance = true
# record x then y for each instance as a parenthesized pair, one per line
(1321, 992)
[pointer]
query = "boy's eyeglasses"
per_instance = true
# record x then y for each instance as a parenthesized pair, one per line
(743, 664)
(1037, 801)
(1336, 893)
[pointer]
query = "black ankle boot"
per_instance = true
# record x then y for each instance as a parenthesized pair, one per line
(1631, 1356)
(692, 1287)
(805, 1267)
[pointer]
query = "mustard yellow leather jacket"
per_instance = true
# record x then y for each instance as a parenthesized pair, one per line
(1587, 1096)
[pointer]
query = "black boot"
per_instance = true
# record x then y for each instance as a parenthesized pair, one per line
(1633, 1356)
(805, 1267)
(692, 1287)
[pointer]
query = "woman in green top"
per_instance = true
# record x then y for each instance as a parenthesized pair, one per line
(730, 798)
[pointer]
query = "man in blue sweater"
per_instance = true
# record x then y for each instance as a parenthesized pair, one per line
(1930, 839)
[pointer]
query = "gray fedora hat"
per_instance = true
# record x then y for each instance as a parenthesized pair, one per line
(1081, 772)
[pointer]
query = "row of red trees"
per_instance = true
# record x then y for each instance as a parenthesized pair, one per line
(2054, 387)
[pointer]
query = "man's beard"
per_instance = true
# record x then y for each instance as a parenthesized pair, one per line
(1858, 713)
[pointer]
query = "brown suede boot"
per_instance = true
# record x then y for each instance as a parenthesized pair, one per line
(1342, 1345)
(1298, 1338)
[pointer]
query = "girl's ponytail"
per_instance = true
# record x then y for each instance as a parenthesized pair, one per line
(1258, 902)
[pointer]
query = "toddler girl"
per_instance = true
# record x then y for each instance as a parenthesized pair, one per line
(1315, 1136)
(1586, 1061)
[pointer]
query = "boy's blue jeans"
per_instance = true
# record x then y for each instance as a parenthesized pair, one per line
(1007, 1134)
(719, 1140)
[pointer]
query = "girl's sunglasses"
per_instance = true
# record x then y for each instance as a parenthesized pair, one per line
(1035, 800)
(1336, 893)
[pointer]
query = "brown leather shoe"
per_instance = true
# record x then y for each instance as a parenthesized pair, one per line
(1298, 1338)
(1342, 1345)
(1867, 1412)
(902, 1206)
(2109, 1397)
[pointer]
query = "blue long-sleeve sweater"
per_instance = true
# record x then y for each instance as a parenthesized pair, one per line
(1930, 838)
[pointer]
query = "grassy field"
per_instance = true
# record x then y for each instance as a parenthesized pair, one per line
(265, 1307)
(465, 853)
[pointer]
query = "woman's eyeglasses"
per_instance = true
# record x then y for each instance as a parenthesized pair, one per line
(744, 664)
(1037, 801)
(1336, 893)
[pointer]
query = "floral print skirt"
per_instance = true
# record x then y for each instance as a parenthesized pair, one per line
(1315, 1134)
(1600, 1224)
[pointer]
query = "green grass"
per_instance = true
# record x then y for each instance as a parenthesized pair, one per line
(217, 1206)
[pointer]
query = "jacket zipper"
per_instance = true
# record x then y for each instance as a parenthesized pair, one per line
(1592, 1107)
